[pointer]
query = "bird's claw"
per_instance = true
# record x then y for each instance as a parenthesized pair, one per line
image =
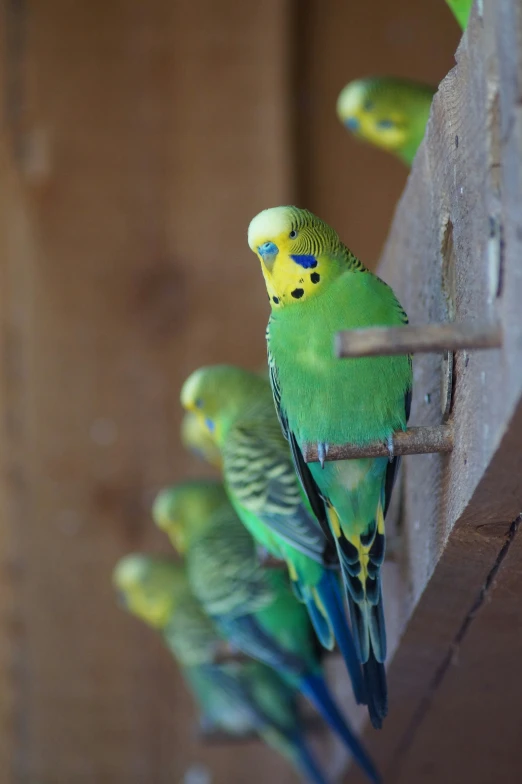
(262, 552)
(389, 444)
(322, 451)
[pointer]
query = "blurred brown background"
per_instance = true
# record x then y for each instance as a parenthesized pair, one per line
(138, 139)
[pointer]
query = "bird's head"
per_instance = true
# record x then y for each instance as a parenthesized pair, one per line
(298, 252)
(180, 511)
(388, 112)
(216, 394)
(150, 587)
(372, 110)
(195, 437)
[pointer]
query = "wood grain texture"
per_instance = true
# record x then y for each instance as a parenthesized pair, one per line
(448, 682)
(416, 339)
(413, 441)
(133, 137)
(351, 185)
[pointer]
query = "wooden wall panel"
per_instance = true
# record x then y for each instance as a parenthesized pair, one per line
(351, 185)
(138, 140)
(454, 681)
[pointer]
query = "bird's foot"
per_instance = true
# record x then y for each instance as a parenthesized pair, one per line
(322, 451)
(389, 444)
(262, 552)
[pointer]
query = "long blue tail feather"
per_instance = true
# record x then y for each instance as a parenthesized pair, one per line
(375, 679)
(314, 687)
(306, 762)
(320, 624)
(330, 594)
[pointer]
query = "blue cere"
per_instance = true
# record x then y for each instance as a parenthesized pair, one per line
(352, 123)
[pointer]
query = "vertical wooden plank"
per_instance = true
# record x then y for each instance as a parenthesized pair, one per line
(150, 134)
(351, 185)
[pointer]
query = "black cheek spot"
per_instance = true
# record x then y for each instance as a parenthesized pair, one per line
(297, 293)
(315, 277)
(276, 300)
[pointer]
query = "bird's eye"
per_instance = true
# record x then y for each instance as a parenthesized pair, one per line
(369, 106)
(198, 402)
(293, 234)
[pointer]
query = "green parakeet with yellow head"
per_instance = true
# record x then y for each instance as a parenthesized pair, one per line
(252, 607)
(387, 112)
(238, 410)
(317, 287)
(238, 697)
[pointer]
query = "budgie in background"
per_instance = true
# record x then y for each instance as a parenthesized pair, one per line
(260, 478)
(461, 10)
(252, 607)
(196, 438)
(317, 287)
(386, 112)
(239, 697)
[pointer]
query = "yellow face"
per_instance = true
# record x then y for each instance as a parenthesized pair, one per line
(168, 517)
(197, 398)
(146, 586)
(372, 116)
(296, 251)
(180, 510)
(196, 437)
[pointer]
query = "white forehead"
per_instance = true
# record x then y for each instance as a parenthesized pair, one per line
(190, 388)
(267, 225)
(351, 98)
(129, 570)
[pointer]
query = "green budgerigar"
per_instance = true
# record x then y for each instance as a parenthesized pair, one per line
(316, 288)
(252, 607)
(387, 112)
(238, 409)
(238, 697)
(461, 10)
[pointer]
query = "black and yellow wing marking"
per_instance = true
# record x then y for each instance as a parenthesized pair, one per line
(310, 488)
(224, 570)
(260, 474)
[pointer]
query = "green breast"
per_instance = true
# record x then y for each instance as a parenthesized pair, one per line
(333, 400)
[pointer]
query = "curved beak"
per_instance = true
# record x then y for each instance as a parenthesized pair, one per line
(268, 252)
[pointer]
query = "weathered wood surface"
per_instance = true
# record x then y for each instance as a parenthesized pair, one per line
(454, 683)
(352, 185)
(413, 441)
(132, 135)
(416, 339)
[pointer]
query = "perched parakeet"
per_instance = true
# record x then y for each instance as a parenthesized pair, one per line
(238, 409)
(461, 11)
(252, 607)
(317, 287)
(196, 438)
(239, 697)
(389, 113)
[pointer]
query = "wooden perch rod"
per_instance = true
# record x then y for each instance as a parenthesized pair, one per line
(425, 339)
(414, 441)
(269, 562)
